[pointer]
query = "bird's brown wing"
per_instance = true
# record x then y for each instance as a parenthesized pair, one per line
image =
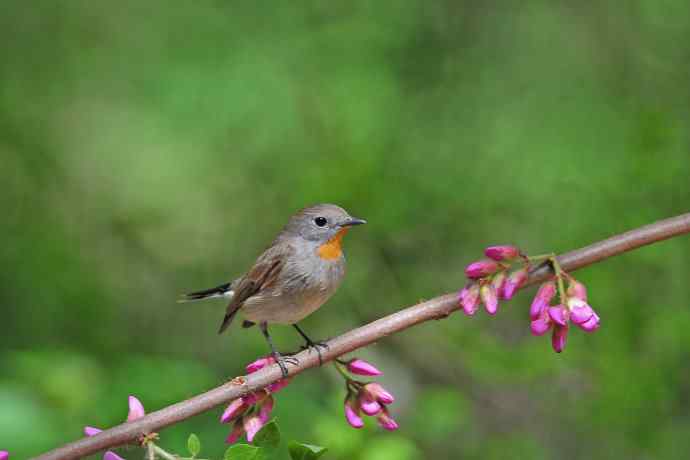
(264, 272)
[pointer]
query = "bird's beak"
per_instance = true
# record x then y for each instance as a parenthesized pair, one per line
(353, 221)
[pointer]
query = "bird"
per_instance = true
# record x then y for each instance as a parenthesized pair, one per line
(292, 278)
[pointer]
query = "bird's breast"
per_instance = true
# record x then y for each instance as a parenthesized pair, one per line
(332, 249)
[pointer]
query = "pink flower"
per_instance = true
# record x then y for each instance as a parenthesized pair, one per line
(540, 325)
(275, 387)
(582, 314)
(489, 298)
(591, 324)
(236, 433)
(501, 252)
(580, 311)
(252, 411)
(110, 455)
(360, 367)
(236, 408)
(559, 315)
(259, 364)
(4, 455)
(577, 290)
(558, 338)
(386, 421)
(369, 406)
(370, 399)
(469, 299)
(136, 409)
(265, 408)
(376, 392)
(251, 398)
(252, 424)
(352, 414)
(544, 295)
(576, 310)
(514, 282)
(498, 282)
(90, 431)
(480, 269)
(248, 419)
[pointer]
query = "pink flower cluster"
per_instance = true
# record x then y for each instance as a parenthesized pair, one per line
(367, 398)
(491, 280)
(574, 308)
(136, 411)
(4, 455)
(252, 411)
(370, 399)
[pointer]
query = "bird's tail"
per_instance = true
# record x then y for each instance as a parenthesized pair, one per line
(227, 320)
(222, 291)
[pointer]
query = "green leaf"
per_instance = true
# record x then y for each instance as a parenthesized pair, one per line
(193, 445)
(268, 436)
(244, 452)
(301, 451)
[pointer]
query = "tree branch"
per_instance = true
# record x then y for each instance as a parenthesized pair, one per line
(436, 308)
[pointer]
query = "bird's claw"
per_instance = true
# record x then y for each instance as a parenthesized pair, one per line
(283, 361)
(316, 346)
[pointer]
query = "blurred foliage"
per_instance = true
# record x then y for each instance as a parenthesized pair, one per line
(153, 148)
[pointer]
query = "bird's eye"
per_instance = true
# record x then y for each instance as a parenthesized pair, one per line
(320, 221)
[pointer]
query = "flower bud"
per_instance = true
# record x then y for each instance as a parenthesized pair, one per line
(278, 385)
(559, 315)
(234, 410)
(580, 312)
(136, 409)
(89, 431)
(259, 364)
(110, 455)
(513, 283)
(386, 421)
(501, 252)
(360, 367)
(488, 295)
(591, 324)
(558, 338)
(251, 398)
(469, 299)
(352, 415)
(265, 409)
(577, 290)
(540, 325)
(251, 424)
(4, 455)
(237, 431)
(369, 406)
(498, 282)
(376, 392)
(480, 269)
(544, 295)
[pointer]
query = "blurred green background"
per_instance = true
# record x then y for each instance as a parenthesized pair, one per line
(152, 148)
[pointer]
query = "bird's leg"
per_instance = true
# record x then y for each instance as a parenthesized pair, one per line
(281, 360)
(311, 344)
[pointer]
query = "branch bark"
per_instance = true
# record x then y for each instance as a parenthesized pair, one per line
(436, 308)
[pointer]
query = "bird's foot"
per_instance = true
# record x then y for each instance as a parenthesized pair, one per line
(310, 345)
(283, 361)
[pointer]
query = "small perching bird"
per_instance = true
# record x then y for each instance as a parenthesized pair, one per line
(297, 274)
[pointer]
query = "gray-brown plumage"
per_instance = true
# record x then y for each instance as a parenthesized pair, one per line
(297, 274)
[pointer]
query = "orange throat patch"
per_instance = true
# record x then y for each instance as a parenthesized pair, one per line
(332, 249)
